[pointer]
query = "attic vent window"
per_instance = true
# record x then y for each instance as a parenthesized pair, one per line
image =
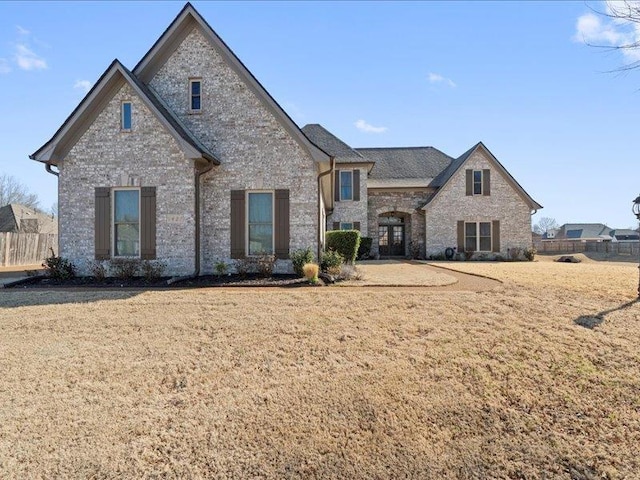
(125, 122)
(195, 95)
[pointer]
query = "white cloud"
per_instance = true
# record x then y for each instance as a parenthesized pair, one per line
(84, 85)
(4, 66)
(594, 29)
(437, 78)
(27, 59)
(368, 128)
(22, 31)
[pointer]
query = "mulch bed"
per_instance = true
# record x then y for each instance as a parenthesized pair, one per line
(140, 282)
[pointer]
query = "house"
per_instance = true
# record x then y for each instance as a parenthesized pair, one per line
(187, 159)
(418, 201)
(583, 232)
(624, 235)
(17, 218)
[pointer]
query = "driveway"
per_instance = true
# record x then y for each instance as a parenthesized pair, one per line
(401, 273)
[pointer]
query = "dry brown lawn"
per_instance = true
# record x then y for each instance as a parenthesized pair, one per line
(327, 382)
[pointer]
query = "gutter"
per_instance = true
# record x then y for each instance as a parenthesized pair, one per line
(47, 167)
(320, 175)
(199, 174)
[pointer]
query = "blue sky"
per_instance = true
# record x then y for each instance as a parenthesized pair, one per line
(516, 76)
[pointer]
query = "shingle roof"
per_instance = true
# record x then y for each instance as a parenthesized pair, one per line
(407, 162)
(583, 230)
(331, 144)
(445, 174)
(15, 217)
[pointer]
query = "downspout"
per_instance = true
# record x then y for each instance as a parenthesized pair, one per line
(47, 167)
(320, 175)
(199, 174)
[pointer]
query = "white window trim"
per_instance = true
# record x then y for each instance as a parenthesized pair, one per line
(273, 221)
(350, 170)
(122, 129)
(190, 95)
(346, 223)
(473, 182)
(113, 221)
(477, 224)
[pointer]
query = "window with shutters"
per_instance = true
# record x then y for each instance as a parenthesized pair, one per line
(346, 225)
(195, 95)
(477, 182)
(260, 229)
(126, 222)
(346, 185)
(477, 237)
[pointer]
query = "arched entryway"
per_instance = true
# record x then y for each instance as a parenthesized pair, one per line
(393, 233)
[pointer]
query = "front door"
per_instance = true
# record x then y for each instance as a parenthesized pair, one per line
(391, 240)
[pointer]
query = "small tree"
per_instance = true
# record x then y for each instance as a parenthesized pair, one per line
(12, 191)
(544, 225)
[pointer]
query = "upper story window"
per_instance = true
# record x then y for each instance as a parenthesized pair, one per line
(260, 223)
(346, 225)
(477, 182)
(126, 222)
(125, 116)
(195, 95)
(346, 184)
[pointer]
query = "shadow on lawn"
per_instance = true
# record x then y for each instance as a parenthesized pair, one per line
(593, 321)
(28, 297)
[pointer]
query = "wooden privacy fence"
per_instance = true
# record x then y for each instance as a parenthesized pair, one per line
(614, 248)
(26, 248)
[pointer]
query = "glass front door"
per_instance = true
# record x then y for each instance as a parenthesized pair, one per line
(391, 240)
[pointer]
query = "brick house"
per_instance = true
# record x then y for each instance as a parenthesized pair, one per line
(187, 159)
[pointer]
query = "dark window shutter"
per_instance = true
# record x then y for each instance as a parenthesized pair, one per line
(282, 224)
(469, 183)
(336, 225)
(486, 182)
(356, 226)
(237, 224)
(495, 236)
(356, 185)
(336, 189)
(460, 236)
(102, 223)
(148, 223)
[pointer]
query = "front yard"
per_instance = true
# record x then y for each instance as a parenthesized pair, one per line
(336, 382)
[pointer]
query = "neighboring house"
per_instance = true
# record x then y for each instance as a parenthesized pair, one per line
(16, 218)
(418, 201)
(187, 159)
(624, 235)
(583, 232)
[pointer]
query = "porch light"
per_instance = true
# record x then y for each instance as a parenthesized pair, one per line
(636, 212)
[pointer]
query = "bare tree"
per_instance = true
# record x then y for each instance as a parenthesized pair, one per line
(54, 209)
(12, 191)
(623, 34)
(544, 225)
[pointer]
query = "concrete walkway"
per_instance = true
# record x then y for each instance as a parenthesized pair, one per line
(400, 273)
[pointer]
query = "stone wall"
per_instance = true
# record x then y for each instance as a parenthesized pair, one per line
(503, 204)
(349, 211)
(148, 155)
(408, 203)
(255, 150)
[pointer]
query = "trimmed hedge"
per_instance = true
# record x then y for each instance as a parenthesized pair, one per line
(364, 250)
(345, 242)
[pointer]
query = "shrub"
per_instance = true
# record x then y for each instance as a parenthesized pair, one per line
(331, 260)
(438, 256)
(98, 270)
(468, 254)
(265, 264)
(243, 266)
(59, 267)
(530, 254)
(153, 269)
(345, 242)
(221, 267)
(364, 250)
(310, 271)
(514, 253)
(414, 250)
(125, 268)
(299, 258)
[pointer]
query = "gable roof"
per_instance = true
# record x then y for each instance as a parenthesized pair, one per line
(93, 103)
(13, 214)
(406, 162)
(331, 144)
(575, 231)
(177, 31)
(441, 180)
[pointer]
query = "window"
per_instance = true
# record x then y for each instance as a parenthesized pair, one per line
(260, 224)
(125, 122)
(346, 185)
(346, 226)
(477, 182)
(477, 236)
(126, 223)
(195, 95)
